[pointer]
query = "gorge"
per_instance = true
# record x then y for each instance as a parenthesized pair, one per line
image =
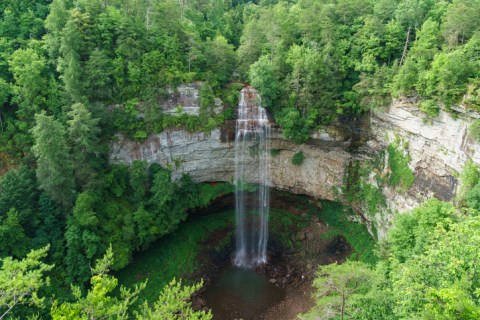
(243, 159)
(443, 144)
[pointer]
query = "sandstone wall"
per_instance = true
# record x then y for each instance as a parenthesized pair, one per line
(438, 148)
(205, 157)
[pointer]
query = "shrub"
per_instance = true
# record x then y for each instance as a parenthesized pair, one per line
(430, 108)
(298, 158)
(401, 174)
(274, 152)
(474, 131)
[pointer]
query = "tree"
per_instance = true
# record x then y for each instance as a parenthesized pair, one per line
(20, 281)
(83, 132)
(28, 69)
(98, 303)
(98, 76)
(338, 285)
(69, 63)
(146, 230)
(18, 189)
(54, 169)
(51, 228)
(173, 304)
(461, 20)
(442, 282)
(82, 237)
(220, 58)
(263, 76)
(54, 23)
(469, 178)
(412, 231)
(13, 241)
(139, 180)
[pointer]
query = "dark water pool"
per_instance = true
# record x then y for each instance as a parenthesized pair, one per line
(240, 293)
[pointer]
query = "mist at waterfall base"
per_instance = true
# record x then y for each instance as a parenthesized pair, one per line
(239, 292)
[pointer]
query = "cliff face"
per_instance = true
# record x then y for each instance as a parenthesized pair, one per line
(208, 157)
(438, 148)
(437, 151)
(211, 156)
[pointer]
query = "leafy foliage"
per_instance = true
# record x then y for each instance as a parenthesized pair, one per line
(337, 288)
(427, 270)
(100, 302)
(20, 281)
(298, 158)
(173, 304)
(400, 173)
(54, 171)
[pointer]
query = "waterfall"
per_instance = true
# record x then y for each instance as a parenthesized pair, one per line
(251, 164)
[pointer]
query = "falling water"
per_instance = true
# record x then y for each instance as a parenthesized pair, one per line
(251, 162)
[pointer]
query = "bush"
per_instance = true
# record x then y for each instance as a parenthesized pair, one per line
(430, 108)
(401, 175)
(274, 152)
(474, 131)
(469, 178)
(298, 158)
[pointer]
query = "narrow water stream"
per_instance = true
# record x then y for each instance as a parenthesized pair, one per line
(241, 293)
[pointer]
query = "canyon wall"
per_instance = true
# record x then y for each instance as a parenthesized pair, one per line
(208, 157)
(437, 150)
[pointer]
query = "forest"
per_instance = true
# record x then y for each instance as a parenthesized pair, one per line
(75, 73)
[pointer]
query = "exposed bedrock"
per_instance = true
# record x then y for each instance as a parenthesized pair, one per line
(438, 149)
(205, 157)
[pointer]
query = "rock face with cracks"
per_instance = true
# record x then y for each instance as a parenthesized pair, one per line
(438, 148)
(205, 157)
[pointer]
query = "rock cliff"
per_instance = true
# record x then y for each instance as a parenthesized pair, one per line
(437, 149)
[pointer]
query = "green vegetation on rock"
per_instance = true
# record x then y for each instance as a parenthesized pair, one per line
(400, 175)
(298, 158)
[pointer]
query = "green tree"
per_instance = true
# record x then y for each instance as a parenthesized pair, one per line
(442, 282)
(54, 170)
(139, 180)
(13, 241)
(28, 69)
(50, 229)
(338, 285)
(469, 178)
(263, 76)
(163, 205)
(173, 304)
(99, 302)
(413, 231)
(83, 132)
(18, 190)
(220, 58)
(461, 20)
(83, 238)
(98, 76)
(69, 64)
(20, 281)
(250, 48)
(54, 23)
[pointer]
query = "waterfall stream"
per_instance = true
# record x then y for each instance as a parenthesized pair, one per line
(251, 164)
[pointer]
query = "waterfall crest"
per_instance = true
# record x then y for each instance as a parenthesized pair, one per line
(251, 162)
